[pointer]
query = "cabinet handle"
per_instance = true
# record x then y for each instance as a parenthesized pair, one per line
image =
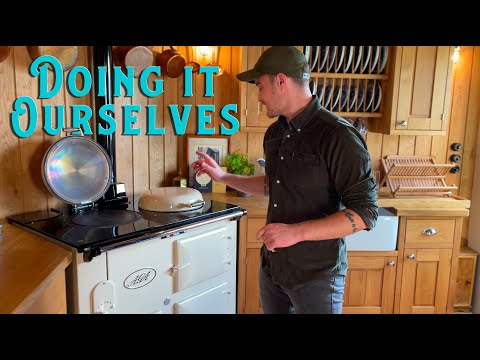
(429, 231)
(411, 256)
(403, 123)
(391, 263)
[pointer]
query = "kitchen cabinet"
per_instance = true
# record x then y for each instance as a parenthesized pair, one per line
(252, 298)
(467, 262)
(418, 94)
(370, 282)
(369, 287)
(353, 80)
(428, 256)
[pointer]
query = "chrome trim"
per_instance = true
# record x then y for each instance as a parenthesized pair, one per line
(177, 229)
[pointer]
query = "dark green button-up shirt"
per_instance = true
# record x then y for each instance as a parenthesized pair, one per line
(315, 165)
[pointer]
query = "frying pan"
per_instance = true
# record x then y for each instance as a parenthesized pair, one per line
(67, 55)
(171, 62)
(77, 169)
(4, 52)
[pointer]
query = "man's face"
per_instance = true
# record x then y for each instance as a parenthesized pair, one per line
(268, 94)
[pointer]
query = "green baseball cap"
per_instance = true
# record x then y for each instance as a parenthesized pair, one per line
(277, 59)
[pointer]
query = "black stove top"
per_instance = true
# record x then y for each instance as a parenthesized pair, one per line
(104, 227)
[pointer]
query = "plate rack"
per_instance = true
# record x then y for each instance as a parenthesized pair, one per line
(416, 175)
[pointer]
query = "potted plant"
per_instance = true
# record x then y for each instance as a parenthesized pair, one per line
(237, 163)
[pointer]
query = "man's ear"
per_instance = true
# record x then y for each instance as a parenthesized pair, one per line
(282, 78)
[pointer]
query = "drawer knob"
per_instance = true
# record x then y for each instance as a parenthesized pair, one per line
(391, 263)
(403, 123)
(411, 256)
(429, 231)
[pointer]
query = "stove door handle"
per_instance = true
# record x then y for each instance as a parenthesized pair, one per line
(175, 269)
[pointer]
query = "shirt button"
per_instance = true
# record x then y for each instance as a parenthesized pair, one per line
(274, 205)
(288, 135)
(278, 181)
(281, 157)
(298, 130)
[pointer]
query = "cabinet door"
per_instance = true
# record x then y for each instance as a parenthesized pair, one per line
(419, 91)
(370, 285)
(252, 297)
(425, 281)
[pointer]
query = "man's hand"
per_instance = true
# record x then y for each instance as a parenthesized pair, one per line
(208, 166)
(278, 235)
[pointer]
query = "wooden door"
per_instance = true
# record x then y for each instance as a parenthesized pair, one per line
(419, 90)
(370, 285)
(425, 281)
(252, 296)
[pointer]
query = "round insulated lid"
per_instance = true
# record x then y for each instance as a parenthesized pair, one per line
(171, 199)
(77, 170)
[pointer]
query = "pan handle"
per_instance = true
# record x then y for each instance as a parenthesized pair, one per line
(69, 131)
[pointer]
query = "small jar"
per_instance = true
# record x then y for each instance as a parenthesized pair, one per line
(180, 180)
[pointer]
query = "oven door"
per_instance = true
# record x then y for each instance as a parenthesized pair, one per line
(186, 271)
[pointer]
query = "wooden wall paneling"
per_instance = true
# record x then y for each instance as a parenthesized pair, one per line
(406, 145)
(253, 54)
(123, 146)
(423, 145)
(238, 142)
(255, 149)
(439, 149)
(31, 148)
(59, 99)
(222, 87)
(11, 189)
(156, 144)
(171, 140)
(469, 153)
(141, 163)
(374, 144)
(192, 119)
(460, 99)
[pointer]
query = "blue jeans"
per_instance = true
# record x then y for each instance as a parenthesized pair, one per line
(321, 296)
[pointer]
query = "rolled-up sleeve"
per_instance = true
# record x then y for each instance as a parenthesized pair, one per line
(351, 171)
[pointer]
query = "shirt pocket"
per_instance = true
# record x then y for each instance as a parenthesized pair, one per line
(306, 168)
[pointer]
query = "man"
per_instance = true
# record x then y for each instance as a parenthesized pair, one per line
(320, 186)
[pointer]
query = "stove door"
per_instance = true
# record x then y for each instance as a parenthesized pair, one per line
(215, 300)
(202, 257)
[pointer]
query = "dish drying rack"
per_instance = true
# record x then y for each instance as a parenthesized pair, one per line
(416, 175)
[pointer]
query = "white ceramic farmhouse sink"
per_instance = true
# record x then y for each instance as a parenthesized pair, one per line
(383, 237)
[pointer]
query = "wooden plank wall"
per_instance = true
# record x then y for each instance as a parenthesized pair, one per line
(145, 162)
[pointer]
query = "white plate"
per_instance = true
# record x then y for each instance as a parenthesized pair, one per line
(352, 97)
(384, 57)
(349, 57)
(328, 96)
(369, 96)
(358, 57)
(378, 97)
(336, 97)
(366, 58)
(320, 90)
(360, 99)
(331, 58)
(340, 56)
(324, 51)
(377, 50)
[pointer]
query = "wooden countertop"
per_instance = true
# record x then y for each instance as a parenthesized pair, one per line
(27, 263)
(404, 206)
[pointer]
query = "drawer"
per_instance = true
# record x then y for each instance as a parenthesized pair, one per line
(253, 225)
(430, 233)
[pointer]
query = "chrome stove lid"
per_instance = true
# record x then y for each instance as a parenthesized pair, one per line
(77, 170)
